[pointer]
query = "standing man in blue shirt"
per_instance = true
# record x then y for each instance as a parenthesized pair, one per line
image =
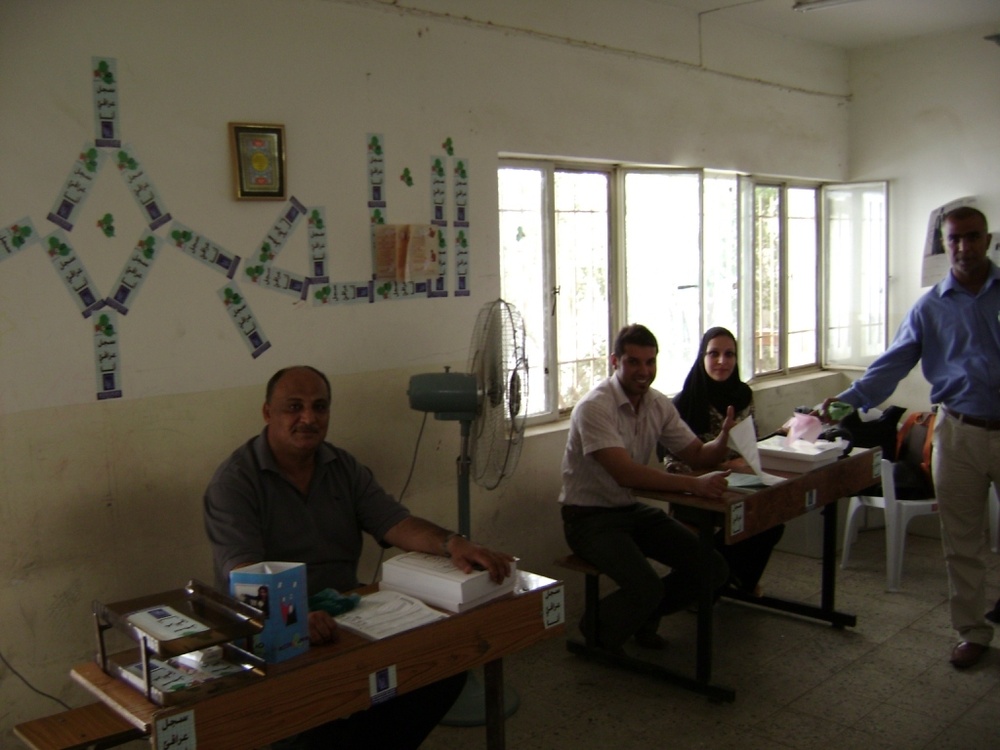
(954, 331)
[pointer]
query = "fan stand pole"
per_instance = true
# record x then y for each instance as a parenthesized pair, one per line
(464, 462)
(469, 709)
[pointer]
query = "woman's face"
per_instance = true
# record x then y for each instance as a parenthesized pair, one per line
(720, 358)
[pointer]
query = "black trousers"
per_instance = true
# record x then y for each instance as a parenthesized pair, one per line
(401, 723)
(747, 559)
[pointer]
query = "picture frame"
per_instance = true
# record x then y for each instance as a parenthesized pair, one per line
(258, 153)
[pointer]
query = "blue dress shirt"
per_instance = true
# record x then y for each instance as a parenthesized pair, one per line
(956, 337)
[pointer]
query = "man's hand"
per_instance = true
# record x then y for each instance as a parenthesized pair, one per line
(712, 484)
(824, 410)
(322, 628)
(466, 556)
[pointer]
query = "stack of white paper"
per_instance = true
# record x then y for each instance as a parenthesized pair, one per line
(436, 581)
(384, 613)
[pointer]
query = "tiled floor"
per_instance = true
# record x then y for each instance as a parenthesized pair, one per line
(886, 683)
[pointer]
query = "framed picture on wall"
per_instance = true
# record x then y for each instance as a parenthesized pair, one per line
(258, 160)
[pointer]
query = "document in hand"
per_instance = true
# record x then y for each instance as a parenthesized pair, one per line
(436, 581)
(743, 440)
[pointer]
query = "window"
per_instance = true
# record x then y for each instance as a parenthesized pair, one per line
(585, 249)
(554, 261)
(855, 238)
(786, 260)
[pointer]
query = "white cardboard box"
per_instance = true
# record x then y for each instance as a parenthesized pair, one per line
(800, 455)
(437, 581)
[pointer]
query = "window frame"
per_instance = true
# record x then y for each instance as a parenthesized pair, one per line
(616, 269)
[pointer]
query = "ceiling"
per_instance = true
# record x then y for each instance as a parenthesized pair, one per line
(857, 24)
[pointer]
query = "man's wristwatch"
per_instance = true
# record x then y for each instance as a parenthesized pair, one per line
(447, 539)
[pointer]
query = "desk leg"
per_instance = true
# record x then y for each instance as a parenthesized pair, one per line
(706, 603)
(495, 712)
(825, 611)
(837, 619)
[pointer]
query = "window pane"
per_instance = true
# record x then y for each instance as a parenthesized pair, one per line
(801, 276)
(721, 253)
(581, 275)
(856, 249)
(522, 256)
(767, 288)
(663, 266)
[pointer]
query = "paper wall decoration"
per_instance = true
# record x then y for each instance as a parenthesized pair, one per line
(76, 188)
(70, 269)
(376, 172)
(203, 249)
(134, 272)
(141, 187)
(17, 237)
(106, 357)
(106, 129)
(243, 318)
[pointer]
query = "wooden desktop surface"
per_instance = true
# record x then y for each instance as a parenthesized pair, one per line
(747, 513)
(332, 681)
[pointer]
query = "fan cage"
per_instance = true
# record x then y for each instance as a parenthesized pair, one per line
(497, 358)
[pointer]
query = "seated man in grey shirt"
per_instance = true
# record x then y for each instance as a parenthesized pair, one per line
(289, 495)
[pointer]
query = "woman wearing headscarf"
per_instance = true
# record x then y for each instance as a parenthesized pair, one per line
(711, 387)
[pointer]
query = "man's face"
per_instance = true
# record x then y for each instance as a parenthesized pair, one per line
(636, 369)
(298, 413)
(967, 242)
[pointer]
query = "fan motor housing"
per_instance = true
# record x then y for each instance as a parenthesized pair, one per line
(450, 395)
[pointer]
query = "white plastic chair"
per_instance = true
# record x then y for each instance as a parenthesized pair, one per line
(898, 514)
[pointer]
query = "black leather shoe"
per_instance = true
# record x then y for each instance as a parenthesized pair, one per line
(967, 654)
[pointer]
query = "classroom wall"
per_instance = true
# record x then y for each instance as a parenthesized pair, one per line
(101, 498)
(924, 115)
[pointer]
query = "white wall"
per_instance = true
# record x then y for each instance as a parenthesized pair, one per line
(924, 115)
(102, 499)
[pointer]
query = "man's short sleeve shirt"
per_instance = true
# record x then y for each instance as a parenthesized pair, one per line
(604, 418)
(253, 514)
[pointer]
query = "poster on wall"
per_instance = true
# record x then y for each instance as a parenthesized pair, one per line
(935, 260)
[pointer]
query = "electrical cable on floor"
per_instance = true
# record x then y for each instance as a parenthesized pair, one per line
(23, 679)
(406, 484)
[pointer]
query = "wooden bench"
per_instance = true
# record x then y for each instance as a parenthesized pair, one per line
(590, 649)
(91, 727)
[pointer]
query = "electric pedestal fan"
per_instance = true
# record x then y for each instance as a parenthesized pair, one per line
(489, 402)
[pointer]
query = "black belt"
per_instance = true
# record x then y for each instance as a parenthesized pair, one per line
(986, 424)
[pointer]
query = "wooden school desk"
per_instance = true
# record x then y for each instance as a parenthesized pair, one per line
(332, 681)
(741, 515)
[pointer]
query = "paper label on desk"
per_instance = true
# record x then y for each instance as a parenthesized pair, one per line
(736, 519)
(382, 684)
(811, 499)
(553, 607)
(176, 732)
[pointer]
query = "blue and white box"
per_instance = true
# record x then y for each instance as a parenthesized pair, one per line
(279, 590)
